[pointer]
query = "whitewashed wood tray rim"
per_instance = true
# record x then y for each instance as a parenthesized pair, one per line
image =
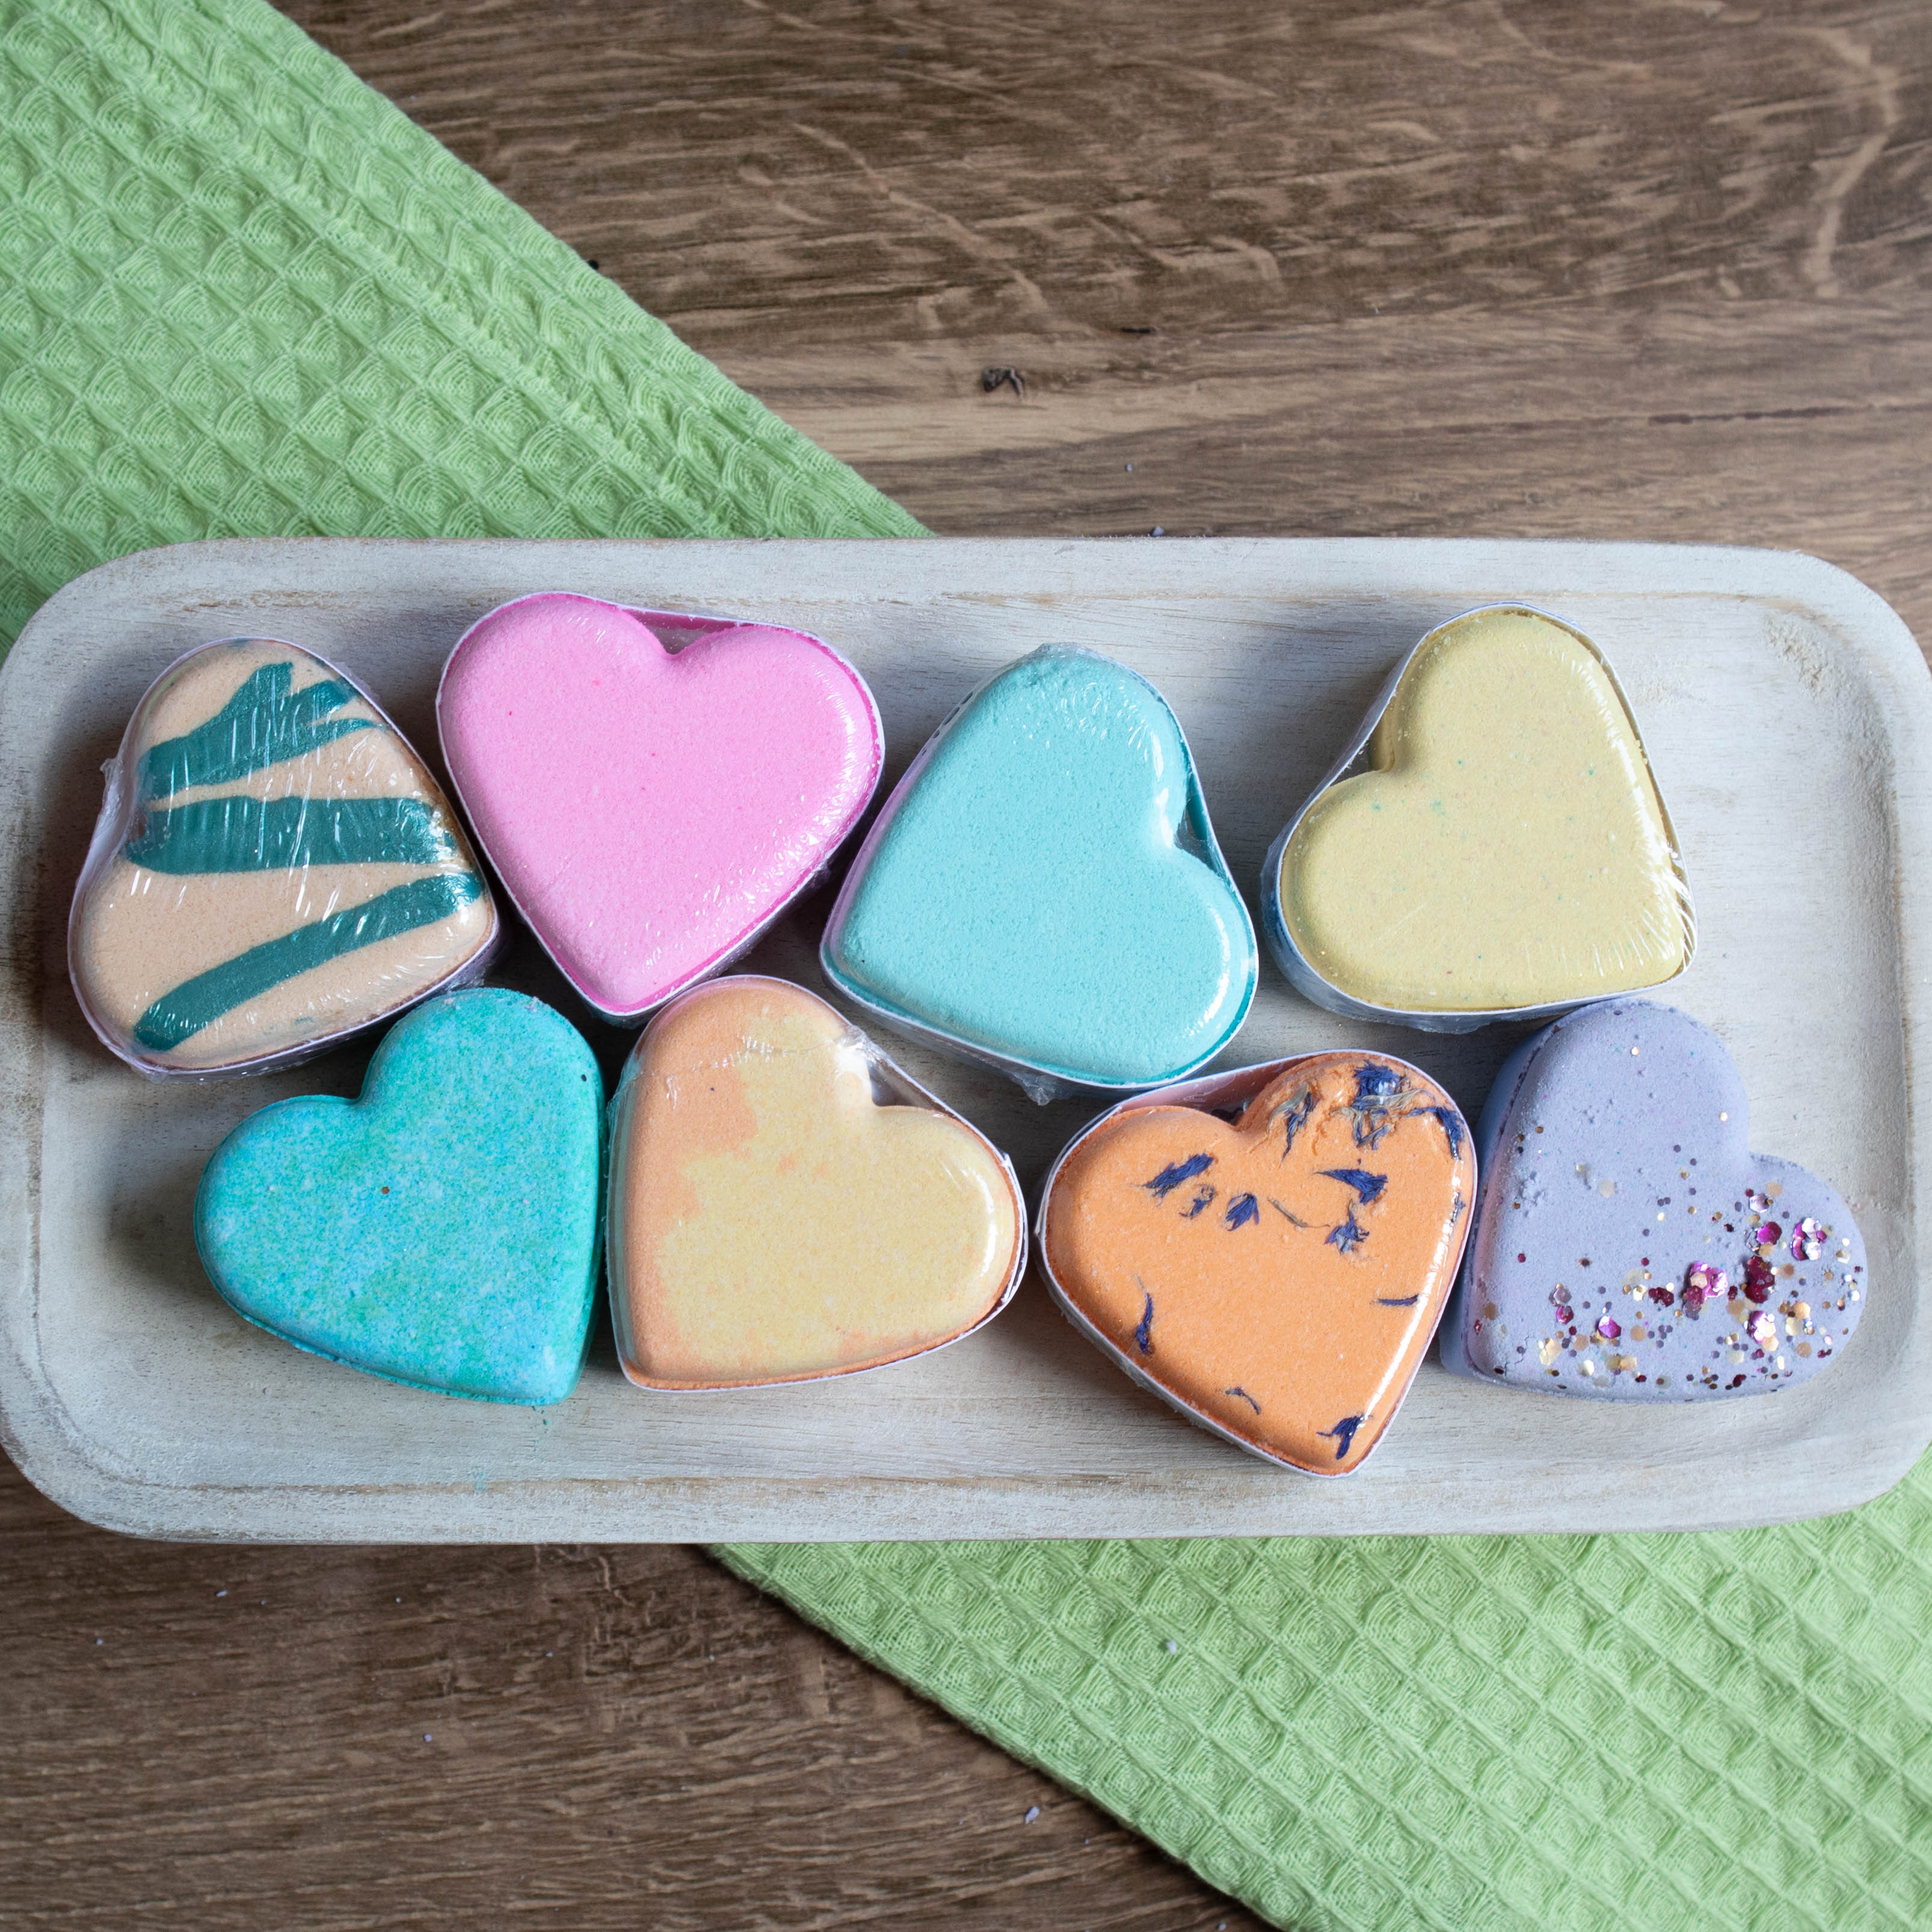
(155, 1466)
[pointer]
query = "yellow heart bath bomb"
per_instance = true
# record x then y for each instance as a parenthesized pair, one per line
(1509, 847)
(770, 1220)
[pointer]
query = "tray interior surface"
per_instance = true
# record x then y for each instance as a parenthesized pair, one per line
(1785, 710)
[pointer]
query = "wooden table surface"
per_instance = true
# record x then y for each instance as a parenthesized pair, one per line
(1647, 269)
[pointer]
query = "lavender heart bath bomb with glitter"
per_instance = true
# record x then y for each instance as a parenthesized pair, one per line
(1628, 1244)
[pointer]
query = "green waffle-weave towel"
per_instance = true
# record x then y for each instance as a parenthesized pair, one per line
(240, 294)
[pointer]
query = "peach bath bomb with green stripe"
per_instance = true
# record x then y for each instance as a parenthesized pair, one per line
(274, 868)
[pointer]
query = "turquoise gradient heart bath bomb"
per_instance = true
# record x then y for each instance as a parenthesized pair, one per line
(1044, 886)
(442, 1230)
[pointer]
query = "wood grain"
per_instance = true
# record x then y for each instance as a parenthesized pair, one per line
(1632, 270)
(226, 1737)
(1654, 269)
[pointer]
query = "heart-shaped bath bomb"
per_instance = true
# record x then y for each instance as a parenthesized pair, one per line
(771, 1220)
(1026, 892)
(1278, 1279)
(1508, 849)
(650, 812)
(1628, 1244)
(440, 1231)
(274, 868)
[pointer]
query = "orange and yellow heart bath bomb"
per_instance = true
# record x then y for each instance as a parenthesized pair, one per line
(771, 1220)
(1278, 1279)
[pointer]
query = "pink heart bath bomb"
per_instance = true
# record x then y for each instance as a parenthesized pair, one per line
(650, 812)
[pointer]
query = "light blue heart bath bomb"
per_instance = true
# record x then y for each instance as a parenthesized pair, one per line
(1025, 892)
(442, 1229)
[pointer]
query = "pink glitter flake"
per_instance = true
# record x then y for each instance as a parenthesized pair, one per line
(1758, 1278)
(1606, 1327)
(1769, 1234)
(1702, 1282)
(1807, 1239)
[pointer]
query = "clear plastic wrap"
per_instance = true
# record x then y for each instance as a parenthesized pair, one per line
(1043, 891)
(1492, 844)
(273, 868)
(653, 790)
(785, 1204)
(1276, 1277)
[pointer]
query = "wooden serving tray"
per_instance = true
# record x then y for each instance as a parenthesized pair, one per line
(1789, 715)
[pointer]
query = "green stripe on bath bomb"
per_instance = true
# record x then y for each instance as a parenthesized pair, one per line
(240, 834)
(263, 724)
(196, 1002)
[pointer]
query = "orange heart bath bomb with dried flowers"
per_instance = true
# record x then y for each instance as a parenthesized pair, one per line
(775, 1217)
(1277, 1279)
